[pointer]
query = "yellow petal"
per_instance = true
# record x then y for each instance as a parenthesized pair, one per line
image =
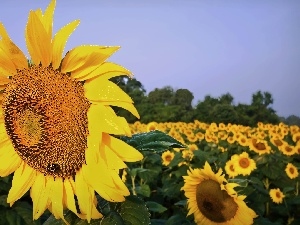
(69, 196)
(124, 151)
(108, 69)
(48, 18)
(104, 91)
(14, 53)
(22, 181)
(85, 196)
(10, 161)
(103, 184)
(57, 198)
(92, 152)
(7, 68)
(125, 105)
(85, 58)
(120, 186)
(38, 41)
(60, 40)
(102, 119)
(40, 195)
(111, 159)
(123, 123)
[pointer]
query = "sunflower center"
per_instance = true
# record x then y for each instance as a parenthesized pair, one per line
(292, 171)
(278, 195)
(28, 126)
(45, 115)
(244, 163)
(214, 203)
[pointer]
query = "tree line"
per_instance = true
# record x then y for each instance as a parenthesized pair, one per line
(169, 105)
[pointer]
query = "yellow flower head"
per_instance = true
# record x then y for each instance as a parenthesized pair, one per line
(213, 200)
(243, 164)
(276, 195)
(167, 157)
(230, 169)
(259, 146)
(291, 171)
(56, 120)
(152, 126)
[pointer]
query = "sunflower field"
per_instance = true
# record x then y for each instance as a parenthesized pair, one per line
(258, 164)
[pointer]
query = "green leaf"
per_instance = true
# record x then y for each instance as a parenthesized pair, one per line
(158, 222)
(144, 190)
(156, 141)
(13, 218)
(24, 210)
(3, 200)
(134, 211)
(155, 207)
(112, 218)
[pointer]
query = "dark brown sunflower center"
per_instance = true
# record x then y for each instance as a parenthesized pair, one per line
(244, 163)
(45, 115)
(214, 203)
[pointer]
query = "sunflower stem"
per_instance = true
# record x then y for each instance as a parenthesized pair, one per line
(267, 184)
(297, 188)
(133, 185)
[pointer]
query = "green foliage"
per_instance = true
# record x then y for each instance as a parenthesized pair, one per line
(155, 141)
(169, 105)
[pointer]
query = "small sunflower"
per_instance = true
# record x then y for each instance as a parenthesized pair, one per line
(152, 126)
(259, 146)
(230, 170)
(291, 171)
(243, 164)
(287, 149)
(56, 121)
(213, 200)
(276, 195)
(167, 157)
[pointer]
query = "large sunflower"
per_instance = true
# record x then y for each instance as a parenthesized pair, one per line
(213, 200)
(56, 121)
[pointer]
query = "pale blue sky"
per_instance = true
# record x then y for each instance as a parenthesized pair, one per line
(208, 47)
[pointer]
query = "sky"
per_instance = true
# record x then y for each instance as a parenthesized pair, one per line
(208, 47)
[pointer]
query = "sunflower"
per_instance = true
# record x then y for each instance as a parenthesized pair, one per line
(152, 126)
(56, 121)
(167, 157)
(259, 146)
(291, 171)
(276, 195)
(213, 200)
(287, 149)
(230, 170)
(243, 164)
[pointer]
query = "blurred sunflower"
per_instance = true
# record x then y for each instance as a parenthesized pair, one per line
(152, 126)
(276, 195)
(167, 157)
(230, 170)
(287, 149)
(56, 119)
(259, 146)
(243, 164)
(291, 171)
(213, 200)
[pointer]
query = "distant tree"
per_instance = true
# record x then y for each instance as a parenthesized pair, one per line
(224, 113)
(291, 120)
(226, 99)
(183, 98)
(161, 95)
(260, 109)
